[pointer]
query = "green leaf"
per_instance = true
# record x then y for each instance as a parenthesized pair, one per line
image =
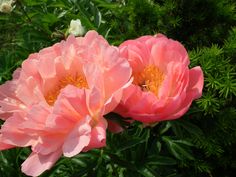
(147, 172)
(34, 3)
(191, 128)
(180, 152)
(131, 143)
(49, 18)
(160, 160)
(98, 18)
(102, 3)
(165, 127)
(79, 162)
(185, 142)
(116, 159)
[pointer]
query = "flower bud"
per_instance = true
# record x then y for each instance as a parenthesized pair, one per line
(76, 28)
(6, 6)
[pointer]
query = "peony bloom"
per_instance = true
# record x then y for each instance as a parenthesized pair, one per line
(76, 28)
(163, 87)
(55, 103)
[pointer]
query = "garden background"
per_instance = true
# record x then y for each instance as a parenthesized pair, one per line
(200, 144)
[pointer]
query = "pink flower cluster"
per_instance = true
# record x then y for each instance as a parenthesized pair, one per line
(56, 101)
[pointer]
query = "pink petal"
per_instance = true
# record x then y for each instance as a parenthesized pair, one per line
(176, 53)
(30, 67)
(194, 91)
(78, 138)
(9, 103)
(59, 123)
(98, 135)
(94, 75)
(116, 97)
(4, 146)
(92, 38)
(13, 133)
(71, 103)
(112, 103)
(196, 82)
(69, 52)
(95, 101)
(37, 116)
(48, 142)
(36, 163)
(115, 67)
(46, 65)
(28, 91)
(136, 53)
(114, 127)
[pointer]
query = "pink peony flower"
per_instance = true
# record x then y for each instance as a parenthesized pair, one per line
(163, 87)
(55, 103)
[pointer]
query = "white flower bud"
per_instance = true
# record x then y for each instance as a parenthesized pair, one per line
(6, 6)
(76, 28)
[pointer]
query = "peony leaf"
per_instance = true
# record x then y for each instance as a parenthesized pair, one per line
(160, 160)
(177, 150)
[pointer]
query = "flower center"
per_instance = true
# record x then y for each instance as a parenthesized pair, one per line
(150, 79)
(77, 81)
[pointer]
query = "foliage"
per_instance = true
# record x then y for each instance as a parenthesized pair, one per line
(201, 143)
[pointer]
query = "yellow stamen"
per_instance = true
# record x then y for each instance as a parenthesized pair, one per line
(150, 79)
(77, 80)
